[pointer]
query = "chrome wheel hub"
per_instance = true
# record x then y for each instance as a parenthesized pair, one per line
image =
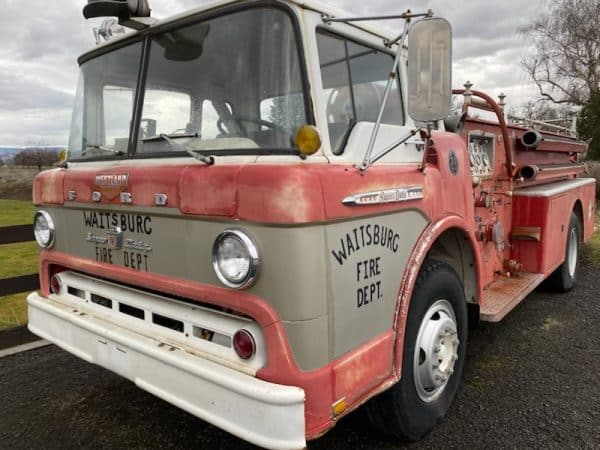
(572, 251)
(436, 351)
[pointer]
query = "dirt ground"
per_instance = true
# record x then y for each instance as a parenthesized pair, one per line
(530, 382)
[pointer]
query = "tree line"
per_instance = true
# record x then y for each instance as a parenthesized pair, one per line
(36, 157)
(565, 65)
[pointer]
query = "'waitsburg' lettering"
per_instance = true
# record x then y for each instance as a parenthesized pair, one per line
(369, 235)
(127, 222)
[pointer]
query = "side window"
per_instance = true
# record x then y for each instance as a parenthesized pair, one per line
(354, 79)
(284, 111)
(210, 120)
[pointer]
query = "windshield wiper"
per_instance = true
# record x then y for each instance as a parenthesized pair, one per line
(208, 160)
(104, 149)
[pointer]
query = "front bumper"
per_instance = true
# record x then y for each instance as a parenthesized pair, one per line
(266, 414)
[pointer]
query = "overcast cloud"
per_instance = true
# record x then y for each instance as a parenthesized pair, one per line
(41, 41)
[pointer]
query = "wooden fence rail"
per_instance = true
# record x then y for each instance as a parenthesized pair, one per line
(11, 235)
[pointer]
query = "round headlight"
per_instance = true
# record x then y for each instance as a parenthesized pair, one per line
(236, 259)
(43, 229)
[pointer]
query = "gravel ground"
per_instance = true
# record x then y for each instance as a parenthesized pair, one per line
(531, 381)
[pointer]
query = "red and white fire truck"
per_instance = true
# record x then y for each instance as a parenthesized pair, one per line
(269, 216)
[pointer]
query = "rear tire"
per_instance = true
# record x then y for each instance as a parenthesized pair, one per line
(564, 278)
(435, 345)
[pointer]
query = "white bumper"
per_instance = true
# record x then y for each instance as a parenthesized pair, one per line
(265, 414)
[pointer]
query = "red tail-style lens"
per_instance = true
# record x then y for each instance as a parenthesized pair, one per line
(243, 344)
(55, 284)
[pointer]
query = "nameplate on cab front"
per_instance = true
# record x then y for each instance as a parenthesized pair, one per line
(385, 196)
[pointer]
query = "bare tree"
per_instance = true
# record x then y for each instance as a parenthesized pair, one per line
(566, 64)
(544, 110)
(37, 156)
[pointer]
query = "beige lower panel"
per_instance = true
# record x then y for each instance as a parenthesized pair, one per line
(309, 342)
(365, 270)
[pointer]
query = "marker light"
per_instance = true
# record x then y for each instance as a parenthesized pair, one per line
(236, 259)
(243, 344)
(43, 229)
(308, 140)
(55, 284)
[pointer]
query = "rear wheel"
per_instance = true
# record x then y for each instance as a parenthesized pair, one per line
(564, 278)
(435, 345)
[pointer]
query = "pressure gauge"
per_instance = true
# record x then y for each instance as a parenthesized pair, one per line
(486, 159)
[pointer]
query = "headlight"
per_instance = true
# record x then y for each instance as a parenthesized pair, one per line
(43, 229)
(236, 259)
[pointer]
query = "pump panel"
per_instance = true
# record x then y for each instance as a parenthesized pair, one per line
(481, 154)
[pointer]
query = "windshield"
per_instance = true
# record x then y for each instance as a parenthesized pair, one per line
(231, 84)
(104, 101)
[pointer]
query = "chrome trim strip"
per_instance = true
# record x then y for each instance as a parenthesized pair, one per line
(401, 194)
(552, 189)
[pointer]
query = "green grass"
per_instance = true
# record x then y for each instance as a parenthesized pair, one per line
(18, 259)
(15, 212)
(13, 311)
(593, 247)
(15, 260)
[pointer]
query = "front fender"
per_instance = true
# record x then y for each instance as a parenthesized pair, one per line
(418, 255)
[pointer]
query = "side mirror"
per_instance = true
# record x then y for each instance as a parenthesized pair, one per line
(429, 70)
(123, 9)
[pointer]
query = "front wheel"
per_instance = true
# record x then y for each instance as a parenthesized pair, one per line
(435, 346)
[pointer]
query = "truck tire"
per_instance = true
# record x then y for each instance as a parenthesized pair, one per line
(435, 345)
(564, 278)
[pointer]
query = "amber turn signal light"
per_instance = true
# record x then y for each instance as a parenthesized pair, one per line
(308, 140)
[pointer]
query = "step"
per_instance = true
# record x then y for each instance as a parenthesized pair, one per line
(504, 294)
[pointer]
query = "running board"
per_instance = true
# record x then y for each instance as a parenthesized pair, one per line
(504, 294)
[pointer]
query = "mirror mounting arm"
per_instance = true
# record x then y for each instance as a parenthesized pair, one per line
(388, 149)
(405, 15)
(388, 88)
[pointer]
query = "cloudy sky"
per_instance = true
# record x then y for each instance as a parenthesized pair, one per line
(41, 40)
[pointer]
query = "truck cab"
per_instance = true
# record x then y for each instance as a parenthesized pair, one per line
(263, 222)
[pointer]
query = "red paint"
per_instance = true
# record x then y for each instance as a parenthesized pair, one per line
(281, 193)
(48, 187)
(552, 215)
(206, 190)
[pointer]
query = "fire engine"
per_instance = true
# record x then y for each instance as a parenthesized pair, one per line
(269, 216)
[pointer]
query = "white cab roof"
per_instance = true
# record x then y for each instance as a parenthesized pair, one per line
(312, 5)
